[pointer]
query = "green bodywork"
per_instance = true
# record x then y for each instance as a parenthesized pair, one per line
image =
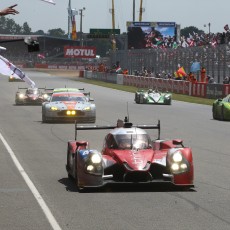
(155, 97)
(221, 109)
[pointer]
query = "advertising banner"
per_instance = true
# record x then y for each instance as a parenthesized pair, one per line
(79, 52)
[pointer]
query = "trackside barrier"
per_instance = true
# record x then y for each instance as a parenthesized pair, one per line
(88, 74)
(175, 86)
(199, 89)
(81, 73)
(226, 90)
(120, 78)
(215, 91)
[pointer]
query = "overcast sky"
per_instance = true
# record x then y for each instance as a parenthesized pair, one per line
(45, 16)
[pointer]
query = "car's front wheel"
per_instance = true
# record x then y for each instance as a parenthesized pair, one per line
(137, 98)
(214, 114)
(44, 119)
(222, 114)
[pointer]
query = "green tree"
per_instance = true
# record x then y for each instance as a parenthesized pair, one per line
(190, 30)
(39, 32)
(25, 28)
(56, 32)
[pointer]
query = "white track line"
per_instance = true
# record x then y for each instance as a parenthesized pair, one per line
(32, 187)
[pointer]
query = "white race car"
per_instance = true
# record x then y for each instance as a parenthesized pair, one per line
(69, 106)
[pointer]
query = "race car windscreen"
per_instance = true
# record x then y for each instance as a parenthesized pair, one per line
(68, 98)
(32, 91)
(132, 141)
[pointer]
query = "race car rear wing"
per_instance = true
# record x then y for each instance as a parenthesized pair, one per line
(120, 123)
(63, 88)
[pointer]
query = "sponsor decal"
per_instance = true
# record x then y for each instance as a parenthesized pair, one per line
(136, 159)
(79, 52)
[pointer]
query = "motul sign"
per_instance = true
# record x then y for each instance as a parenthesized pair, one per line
(79, 52)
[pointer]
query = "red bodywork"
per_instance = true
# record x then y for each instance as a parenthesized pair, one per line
(159, 161)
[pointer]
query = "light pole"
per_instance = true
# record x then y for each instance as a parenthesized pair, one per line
(134, 10)
(81, 35)
(209, 25)
(69, 17)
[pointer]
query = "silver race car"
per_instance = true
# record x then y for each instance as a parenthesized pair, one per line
(30, 96)
(69, 106)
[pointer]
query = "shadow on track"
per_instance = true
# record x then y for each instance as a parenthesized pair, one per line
(118, 188)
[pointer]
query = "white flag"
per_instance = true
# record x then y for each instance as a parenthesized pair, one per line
(7, 68)
(49, 1)
(2, 48)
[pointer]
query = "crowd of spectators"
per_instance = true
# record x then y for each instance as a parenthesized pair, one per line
(194, 39)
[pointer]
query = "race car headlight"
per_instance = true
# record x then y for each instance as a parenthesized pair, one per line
(45, 96)
(21, 95)
(71, 112)
(95, 158)
(175, 167)
(93, 164)
(87, 108)
(177, 157)
(90, 168)
(178, 163)
(54, 108)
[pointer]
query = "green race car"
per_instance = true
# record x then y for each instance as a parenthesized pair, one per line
(152, 97)
(221, 109)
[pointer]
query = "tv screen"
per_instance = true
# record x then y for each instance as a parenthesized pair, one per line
(143, 35)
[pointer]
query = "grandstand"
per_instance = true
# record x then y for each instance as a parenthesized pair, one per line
(52, 48)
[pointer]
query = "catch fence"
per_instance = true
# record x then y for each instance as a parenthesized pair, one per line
(216, 60)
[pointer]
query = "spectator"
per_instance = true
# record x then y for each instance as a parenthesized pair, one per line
(203, 74)
(192, 78)
(211, 80)
(226, 80)
(9, 10)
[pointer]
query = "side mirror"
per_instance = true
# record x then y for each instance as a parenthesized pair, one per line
(177, 142)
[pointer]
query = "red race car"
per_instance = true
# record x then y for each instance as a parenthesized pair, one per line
(129, 156)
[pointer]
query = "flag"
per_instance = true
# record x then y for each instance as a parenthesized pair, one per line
(175, 45)
(181, 72)
(7, 68)
(74, 32)
(2, 48)
(226, 27)
(49, 1)
(195, 67)
(42, 56)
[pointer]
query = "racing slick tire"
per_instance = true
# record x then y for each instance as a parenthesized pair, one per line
(214, 115)
(222, 114)
(142, 100)
(44, 119)
(137, 98)
(169, 102)
(68, 166)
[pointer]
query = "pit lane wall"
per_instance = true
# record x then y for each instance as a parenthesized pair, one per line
(205, 90)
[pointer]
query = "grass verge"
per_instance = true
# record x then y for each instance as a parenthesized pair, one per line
(177, 97)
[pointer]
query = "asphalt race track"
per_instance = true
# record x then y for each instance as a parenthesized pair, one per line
(41, 151)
